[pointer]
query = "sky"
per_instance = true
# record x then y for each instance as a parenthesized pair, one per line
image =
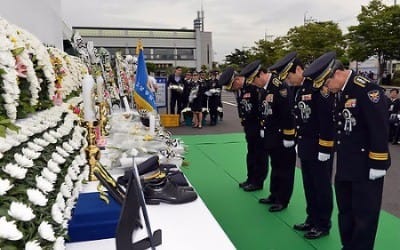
(233, 23)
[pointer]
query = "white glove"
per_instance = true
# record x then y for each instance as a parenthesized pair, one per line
(288, 144)
(262, 133)
(376, 173)
(208, 93)
(323, 156)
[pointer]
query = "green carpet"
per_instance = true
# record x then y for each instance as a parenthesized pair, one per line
(217, 165)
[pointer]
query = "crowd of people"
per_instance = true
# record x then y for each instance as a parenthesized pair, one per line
(323, 108)
(195, 94)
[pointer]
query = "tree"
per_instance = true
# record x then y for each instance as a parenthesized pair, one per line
(377, 34)
(269, 52)
(314, 39)
(239, 57)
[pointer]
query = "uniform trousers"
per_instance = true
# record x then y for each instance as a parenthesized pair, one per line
(359, 204)
(283, 163)
(176, 99)
(317, 176)
(256, 158)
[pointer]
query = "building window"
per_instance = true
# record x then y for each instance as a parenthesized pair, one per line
(185, 54)
(164, 54)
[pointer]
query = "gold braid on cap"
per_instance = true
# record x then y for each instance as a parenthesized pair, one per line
(319, 80)
(229, 86)
(250, 79)
(284, 73)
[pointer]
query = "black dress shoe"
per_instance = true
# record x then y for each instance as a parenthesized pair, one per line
(243, 184)
(277, 208)
(315, 233)
(268, 200)
(302, 227)
(164, 190)
(251, 187)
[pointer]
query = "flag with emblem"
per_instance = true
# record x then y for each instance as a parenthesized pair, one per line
(143, 96)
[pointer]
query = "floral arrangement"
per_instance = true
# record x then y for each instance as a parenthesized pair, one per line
(41, 172)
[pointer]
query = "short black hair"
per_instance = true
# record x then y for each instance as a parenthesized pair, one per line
(395, 90)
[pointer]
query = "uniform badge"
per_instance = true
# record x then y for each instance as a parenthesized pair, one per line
(306, 97)
(283, 92)
(374, 96)
(324, 92)
(247, 95)
(361, 81)
(351, 103)
(276, 82)
(269, 98)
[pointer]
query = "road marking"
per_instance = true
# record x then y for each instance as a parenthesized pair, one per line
(229, 103)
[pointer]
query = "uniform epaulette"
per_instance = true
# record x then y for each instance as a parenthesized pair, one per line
(276, 82)
(361, 81)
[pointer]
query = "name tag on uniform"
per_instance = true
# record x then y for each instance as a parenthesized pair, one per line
(247, 95)
(351, 103)
(306, 97)
(269, 98)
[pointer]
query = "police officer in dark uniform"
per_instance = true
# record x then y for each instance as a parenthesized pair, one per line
(214, 97)
(175, 84)
(277, 132)
(313, 107)
(394, 109)
(361, 119)
(247, 99)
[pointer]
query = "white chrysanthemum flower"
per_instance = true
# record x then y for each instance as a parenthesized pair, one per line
(67, 147)
(74, 145)
(75, 193)
(68, 181)
(57, 158)
(13, 141)
(35, 147)
(56, 214)
(22, 138)
(30, 153)
(62, 152)
(49, 175)
(36, 197)
(20, 211)
(33, 245)
(9, 230)
(65, 190)
(53, 166)
(49, 138)
(70, 202)
(68, 213)
(46, 231)
(59, 244)
(23, 161)
(72, 174)
(4, 145)
(55, 134)
(65, 224)
(26, 131)
(43, 184)
(60, 201)
(15, 171)
(5, 185)
(41, 142)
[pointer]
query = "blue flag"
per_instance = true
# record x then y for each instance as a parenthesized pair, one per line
(144, 97)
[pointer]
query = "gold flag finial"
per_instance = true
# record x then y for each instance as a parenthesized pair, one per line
(139, 46)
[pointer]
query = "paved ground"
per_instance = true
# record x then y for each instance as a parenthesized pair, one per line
(231, 124)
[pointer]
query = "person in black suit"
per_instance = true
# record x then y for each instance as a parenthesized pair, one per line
(247, 100)
(175, 84)
(214, 97)
(361, 119)
(313, 106)
(277, 135)
(394, 108)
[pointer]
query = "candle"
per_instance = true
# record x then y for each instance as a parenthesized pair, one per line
(127, 109)
(87, 96)
(100, 88)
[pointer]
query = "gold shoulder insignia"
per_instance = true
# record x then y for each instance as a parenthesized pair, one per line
(276, 82)
(361, 81)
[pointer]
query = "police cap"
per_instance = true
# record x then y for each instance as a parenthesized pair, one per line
(321, 69)
(251, 70)
(227, 77)
(283, 66)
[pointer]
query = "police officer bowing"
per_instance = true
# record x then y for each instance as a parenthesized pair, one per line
(247, 99)
(277, 132)
(315, 132)
(360, 115)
